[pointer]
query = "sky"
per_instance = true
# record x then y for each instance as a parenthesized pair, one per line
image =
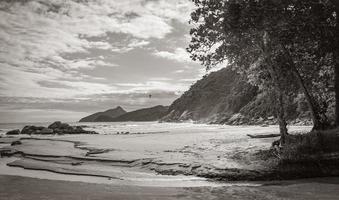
(65, 59)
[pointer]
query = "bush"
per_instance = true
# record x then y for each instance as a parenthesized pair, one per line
(311, 146)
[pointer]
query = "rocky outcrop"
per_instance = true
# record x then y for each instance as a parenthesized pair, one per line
(105, 116)
(30, 130)
(64, 128)
(13, 132)
(55, 128)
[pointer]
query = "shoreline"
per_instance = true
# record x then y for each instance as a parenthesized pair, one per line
(33, 188)
(80, 155)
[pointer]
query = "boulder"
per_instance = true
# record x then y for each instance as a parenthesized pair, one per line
(18, 142)
(55, 128)
(30, 130)
(46, 131)
(13, 132)
(59, 125)
(55, 125)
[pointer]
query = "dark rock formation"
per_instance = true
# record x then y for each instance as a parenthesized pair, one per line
(29, 130)
(46, 131)
(64, 128)
(55, 128)
(104, 116)
(18, 142)
(13, 132)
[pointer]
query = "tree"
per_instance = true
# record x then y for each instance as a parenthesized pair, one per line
(237, 32)
(298, 30)
(336, 59)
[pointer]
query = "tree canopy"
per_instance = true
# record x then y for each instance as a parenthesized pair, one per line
(286, 46)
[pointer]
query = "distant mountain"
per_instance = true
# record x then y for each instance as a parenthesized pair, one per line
(147, 114)
(105, 116)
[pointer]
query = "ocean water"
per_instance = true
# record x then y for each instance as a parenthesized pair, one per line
(4, 127)
(114, 127)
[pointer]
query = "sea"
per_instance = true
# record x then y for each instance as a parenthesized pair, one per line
(111, 127)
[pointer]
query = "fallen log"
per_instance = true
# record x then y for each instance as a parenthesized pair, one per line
(263, 136)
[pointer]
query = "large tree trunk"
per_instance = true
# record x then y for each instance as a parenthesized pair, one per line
(267, 50)
(319, 119)
(281, 117)
(279, 104)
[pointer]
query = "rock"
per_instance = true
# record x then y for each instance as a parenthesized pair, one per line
(46, 131)
(59, 125)
(55, 125)
(18, 142)
(13, 132)
(76, 163)
(55, 128)
(31, 130)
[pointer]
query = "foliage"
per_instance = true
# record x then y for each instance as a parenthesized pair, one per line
(279, 45)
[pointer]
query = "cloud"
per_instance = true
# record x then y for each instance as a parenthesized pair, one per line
(153, 85)
(87, 64)
(36, 35)
(179, 55)
(31, 109)
(54, 50)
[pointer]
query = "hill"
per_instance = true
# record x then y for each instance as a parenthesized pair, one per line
(226, 97)
(146, 114)
(104, 116)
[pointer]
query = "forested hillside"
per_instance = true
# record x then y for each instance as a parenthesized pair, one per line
(226, 97)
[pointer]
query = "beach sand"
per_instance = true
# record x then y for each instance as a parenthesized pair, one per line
(24, 188)
(165, 163)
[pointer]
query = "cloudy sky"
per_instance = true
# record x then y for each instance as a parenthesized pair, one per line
(64, 59)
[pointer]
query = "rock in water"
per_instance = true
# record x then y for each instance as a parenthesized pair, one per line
(64, 128)
(13, 132)
(18, 142)
(31, 130)
(46, 131)
(55, 125)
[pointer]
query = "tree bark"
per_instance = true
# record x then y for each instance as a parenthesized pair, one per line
(278, 89)
(320, 121)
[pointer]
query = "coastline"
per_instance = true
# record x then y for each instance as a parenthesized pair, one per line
(24, 188)
(188, 162)
(216, 153)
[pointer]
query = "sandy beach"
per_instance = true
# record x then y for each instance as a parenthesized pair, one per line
(24, 188)
(148, 150)
(152, 161)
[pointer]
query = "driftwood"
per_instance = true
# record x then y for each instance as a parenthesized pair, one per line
(263, 136)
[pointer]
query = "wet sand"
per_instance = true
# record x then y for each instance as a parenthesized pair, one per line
(24, 188)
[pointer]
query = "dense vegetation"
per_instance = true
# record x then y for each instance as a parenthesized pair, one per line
(225, 97)
(286, 48)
